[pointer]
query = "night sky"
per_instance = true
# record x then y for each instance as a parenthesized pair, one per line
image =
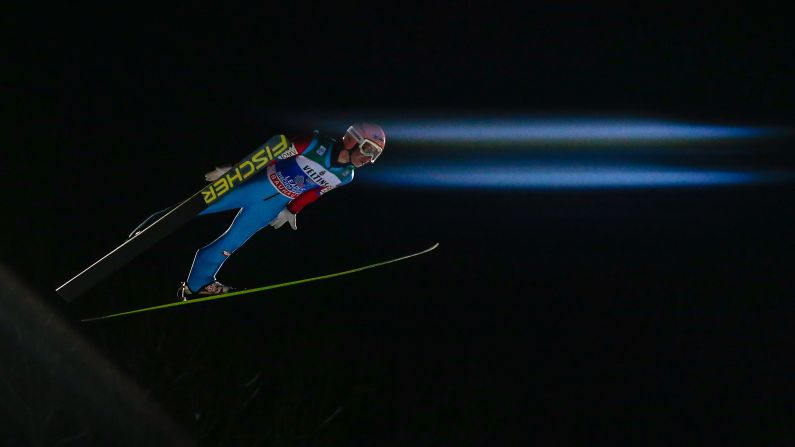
(553, 316)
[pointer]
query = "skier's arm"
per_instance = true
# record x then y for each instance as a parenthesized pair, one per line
(289, 213)
(296, 205)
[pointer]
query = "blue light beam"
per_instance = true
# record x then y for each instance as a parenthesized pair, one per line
(564, 131)
(556, 177)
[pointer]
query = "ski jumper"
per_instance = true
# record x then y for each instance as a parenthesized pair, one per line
(292, 182)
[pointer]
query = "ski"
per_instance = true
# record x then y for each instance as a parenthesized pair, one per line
(261, 289)
(141, 239)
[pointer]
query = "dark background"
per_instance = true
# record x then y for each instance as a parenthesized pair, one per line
(572, 317)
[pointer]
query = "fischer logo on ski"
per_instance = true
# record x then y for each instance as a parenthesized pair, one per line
(243, 170)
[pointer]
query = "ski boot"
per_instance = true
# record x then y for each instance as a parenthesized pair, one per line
(214, 288)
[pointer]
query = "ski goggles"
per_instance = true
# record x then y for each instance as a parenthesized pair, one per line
(367, 147)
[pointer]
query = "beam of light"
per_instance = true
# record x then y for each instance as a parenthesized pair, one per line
(477, 129)
(557, 177)
(500, 150)
(557, 131)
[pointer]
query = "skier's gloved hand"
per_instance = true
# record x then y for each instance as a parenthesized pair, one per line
(216, 173)
(284, 216)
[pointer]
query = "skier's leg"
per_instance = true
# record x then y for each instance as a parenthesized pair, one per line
(254, 191)
(248, 221)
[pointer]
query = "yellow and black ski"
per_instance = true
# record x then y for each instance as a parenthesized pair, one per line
(261, 289)
(250, 166)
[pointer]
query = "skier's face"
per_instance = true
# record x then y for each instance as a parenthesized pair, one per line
(359, 154)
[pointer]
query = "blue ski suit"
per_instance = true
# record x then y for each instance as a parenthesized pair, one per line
(292, 182)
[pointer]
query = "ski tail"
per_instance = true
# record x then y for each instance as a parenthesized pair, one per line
(264, 288)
